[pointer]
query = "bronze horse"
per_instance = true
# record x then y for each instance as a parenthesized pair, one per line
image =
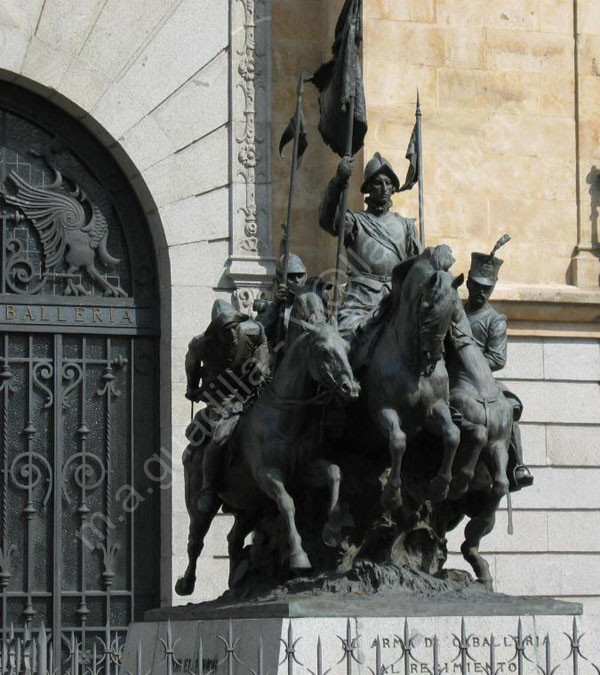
(275, 448)
(485, 423)
(405, 381)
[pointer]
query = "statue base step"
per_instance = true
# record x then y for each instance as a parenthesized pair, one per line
(359, 636)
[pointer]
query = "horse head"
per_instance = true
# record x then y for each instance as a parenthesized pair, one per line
(437, 307)
(427, 298)
(328, 360)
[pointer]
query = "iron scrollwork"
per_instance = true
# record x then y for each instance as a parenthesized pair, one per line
(68, 241)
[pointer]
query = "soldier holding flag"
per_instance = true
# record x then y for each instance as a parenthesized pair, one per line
(376, 240)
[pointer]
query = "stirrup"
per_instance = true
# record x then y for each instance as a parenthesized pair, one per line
(525, 479)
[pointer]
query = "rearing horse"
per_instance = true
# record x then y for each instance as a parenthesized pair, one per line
(486, 422)
(405, 379)
(275, 448)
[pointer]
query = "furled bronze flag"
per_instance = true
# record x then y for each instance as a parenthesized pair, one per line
(412, 155)
(339, 80)
(289, 133)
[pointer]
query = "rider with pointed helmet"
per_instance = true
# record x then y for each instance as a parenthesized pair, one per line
(376, 239)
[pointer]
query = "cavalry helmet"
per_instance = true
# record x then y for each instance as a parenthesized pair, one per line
(295, 265)
(224, 314)
(378, 164)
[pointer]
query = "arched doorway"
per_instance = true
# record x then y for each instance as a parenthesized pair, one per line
(79, 382)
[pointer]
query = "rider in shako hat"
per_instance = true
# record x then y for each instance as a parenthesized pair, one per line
(490, 332)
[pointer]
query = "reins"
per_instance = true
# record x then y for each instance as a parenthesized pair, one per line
(322, 396)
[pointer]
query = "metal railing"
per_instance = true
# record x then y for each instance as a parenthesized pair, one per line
(33, 654)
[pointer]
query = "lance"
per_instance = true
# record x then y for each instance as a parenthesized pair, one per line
(420, 176)
(288, 222)
(341, 214)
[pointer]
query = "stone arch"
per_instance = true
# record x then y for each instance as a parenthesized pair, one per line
(78, 353)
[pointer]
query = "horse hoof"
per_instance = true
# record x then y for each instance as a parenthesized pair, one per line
(299, 561)
(391, 499)
(332, 530)
(185, 586)
(438, 489)
(488, 584)
(332, 535)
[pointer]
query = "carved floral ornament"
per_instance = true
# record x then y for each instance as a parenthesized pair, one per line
(252, 264)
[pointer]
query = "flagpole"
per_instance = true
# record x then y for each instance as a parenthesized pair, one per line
(288, 222)
(420, 164)
(341, 215)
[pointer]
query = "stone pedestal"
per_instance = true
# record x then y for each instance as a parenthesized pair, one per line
(362, 635)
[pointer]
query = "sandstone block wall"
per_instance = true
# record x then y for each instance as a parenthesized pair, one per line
(510, 117)
(497, 89)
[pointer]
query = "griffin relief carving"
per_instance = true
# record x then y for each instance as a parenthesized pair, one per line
(71, 230)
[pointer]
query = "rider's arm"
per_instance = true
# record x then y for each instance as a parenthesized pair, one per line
(328, 209)
(263, 357)
(269, 318)
(193, 367)
(413, 242)
(495, 348)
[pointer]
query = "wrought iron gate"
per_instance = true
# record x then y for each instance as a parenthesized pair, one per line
(79, 458)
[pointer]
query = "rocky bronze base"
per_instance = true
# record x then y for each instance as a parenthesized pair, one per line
(368, 589)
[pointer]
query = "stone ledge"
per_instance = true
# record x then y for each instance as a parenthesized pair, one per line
(342, 605)
(549, 309)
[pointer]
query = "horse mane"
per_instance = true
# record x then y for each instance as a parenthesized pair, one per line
(437, 258)
(439, 291)
(460, 334)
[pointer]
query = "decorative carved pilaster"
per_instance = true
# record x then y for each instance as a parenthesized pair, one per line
(251, 262)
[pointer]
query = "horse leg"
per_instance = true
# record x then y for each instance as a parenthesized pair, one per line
(200, 521)
(271, 481)
(242, 526)
(323, 473)
(389, 424)
(475, 530)
(473, 437)
(496, 460)
(450, 433)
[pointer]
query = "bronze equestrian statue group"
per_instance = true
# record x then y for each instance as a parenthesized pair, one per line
(358, 439)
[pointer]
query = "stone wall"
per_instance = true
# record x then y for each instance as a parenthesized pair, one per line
(510, 126)
(497, 91)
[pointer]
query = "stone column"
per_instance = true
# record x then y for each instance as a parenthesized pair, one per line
(586, 265)
(251, 263)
